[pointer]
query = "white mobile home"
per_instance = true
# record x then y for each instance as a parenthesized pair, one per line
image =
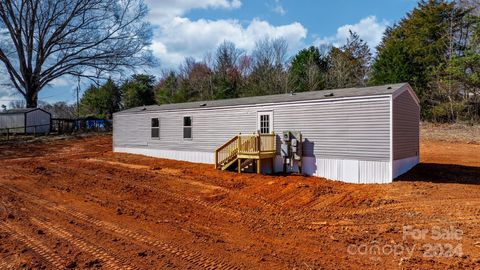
(356, 135)
(25, 120)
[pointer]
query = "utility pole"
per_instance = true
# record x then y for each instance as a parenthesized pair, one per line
(78, 97)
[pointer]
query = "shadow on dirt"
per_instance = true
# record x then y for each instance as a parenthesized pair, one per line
(442, 173)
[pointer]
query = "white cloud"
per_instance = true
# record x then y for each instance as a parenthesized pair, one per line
(278, 8)
(162, 10)
(61, 82)
(7, 96)
(369, 29)
(176, 36)
(182, 37)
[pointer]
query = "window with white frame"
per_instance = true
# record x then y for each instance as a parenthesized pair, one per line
(155, 127)
(187, 127)
(264, 123)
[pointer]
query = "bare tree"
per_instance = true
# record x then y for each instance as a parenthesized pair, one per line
(17, 104)
(61, 110)
(42, 40)
(227, 57)
(268, 74)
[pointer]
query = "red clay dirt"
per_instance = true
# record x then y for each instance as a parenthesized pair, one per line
(74, 204)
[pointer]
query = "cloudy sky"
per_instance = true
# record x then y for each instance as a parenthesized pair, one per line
(195, 27)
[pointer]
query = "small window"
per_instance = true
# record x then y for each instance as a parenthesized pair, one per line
(264, 124)
(187, 127)
(155, 128)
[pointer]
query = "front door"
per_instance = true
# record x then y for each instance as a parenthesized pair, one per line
(265, 122)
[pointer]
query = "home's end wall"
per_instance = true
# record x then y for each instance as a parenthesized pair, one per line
(406, 129)
(406, 133)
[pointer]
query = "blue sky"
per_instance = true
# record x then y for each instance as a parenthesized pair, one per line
(195, 27)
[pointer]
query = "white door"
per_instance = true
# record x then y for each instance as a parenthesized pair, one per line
(265, 122)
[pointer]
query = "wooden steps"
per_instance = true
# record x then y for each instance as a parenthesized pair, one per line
(245, 150)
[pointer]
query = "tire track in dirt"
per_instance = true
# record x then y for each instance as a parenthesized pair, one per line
(4, 265)
(96, 252)
(318, 225)
(46, 254)
(212, 206)
(3, 210)
(174, 177)
(217, 207)
(427, 204)
(192, 257)
(196, 200)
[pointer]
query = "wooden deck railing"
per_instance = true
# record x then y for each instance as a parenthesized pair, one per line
(226, 152)
(252, 146)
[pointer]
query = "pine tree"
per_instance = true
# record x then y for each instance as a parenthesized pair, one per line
(308, 70)
(416, 50)
(101, 101)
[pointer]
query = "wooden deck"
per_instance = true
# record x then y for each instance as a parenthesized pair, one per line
(245, 151)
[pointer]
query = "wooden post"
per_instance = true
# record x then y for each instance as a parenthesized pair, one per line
(239, 165)
(273, 141)
(216, 159)
(35, 131)
(259, 138)
(259, 165)
(239, 144)
(273, 165)
(8, 134)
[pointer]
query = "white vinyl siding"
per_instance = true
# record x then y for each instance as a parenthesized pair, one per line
(406, 118)
(340, 129)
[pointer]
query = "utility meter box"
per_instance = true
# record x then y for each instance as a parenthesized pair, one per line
(291, 150)
(286, 136)
(285, 150)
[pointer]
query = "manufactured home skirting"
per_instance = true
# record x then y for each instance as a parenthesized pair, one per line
(402, 166)
(190, 156)
(350, 171)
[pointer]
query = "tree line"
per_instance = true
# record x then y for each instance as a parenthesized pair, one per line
(435, 47)
(231, 73)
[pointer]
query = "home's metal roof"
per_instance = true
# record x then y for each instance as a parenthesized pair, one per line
(19, 110)
(388, 89)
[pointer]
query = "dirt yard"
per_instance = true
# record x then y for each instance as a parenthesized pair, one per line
(75, 204)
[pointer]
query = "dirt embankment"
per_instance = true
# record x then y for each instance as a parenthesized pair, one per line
(75, 204)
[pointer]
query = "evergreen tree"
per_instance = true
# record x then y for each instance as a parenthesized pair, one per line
(361, 58)
(349, 65)
(308, 70)
(138, 91)
(101, 101)
(167, 90)
(417, 50)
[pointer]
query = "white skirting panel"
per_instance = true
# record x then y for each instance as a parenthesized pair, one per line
(373, 172)
(402, 166)
(354, 171)
(350, 171)
(198, 157)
